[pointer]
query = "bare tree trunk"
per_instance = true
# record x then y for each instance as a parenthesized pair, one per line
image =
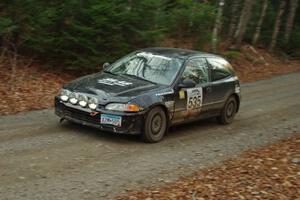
(260, 22)
(234, 17)
(244, 19)
(290, 20)
(13, 63)
(217, 26)
(277, 25)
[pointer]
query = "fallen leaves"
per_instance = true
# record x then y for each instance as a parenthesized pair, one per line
(271, 172)
(32, 88)
(248, 70)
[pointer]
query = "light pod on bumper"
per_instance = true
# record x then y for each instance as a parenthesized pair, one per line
(64, 95)
(73, 98)
(82, 100)
(93, 103)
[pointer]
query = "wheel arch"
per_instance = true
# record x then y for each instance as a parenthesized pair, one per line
(237, 98)
(165, 109)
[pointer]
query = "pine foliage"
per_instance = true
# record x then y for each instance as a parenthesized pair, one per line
(82, 34)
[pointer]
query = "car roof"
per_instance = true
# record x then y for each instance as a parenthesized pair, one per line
(177, 52)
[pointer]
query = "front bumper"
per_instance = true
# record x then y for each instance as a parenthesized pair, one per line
(132, 123)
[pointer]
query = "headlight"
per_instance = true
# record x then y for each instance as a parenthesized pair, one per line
(64, 94)
(93, 103)
(123, 107)
(73, 98)
(82, 100)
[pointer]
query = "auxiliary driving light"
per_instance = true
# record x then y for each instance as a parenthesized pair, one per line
(73, 98)
(93, 103)
(82, 100)
(64, 95)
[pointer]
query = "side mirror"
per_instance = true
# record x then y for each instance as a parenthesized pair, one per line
(105, 65)
(187, 83)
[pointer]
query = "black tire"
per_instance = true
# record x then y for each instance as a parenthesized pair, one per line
(155, 125)
(228, 112)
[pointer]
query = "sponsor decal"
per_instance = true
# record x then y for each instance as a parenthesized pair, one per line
(165, 93)
(181, 94)
(112, 81)
(150, 55)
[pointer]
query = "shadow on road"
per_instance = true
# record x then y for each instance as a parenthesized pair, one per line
(177, 131)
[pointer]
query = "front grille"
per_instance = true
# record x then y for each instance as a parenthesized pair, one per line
(81, 115)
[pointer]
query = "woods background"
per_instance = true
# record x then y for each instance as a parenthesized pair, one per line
(81, 34)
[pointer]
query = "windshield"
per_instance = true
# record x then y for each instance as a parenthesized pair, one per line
(150, 67)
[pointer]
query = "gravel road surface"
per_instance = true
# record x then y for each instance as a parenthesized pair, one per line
(41, 159)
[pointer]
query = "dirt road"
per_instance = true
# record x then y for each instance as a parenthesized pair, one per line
(41, 159)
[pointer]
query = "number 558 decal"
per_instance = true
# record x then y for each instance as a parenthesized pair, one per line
(194, 98)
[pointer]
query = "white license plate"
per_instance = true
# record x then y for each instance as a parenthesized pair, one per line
(111, 119)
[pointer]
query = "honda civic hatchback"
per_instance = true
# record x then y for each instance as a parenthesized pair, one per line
(150, 90)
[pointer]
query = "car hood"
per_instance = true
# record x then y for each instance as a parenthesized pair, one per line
(109, 86)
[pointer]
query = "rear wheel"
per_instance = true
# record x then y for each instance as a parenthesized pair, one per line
(155, 125)
(228, 112)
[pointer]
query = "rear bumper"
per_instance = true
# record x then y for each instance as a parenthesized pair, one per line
(132, 123)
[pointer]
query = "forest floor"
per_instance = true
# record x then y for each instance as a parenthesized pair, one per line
(270, 172)
(29, 88)
(32, 87)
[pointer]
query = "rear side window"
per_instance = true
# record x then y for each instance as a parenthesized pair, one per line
(221, 68)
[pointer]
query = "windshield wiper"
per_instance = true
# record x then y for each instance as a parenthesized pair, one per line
(138, 77)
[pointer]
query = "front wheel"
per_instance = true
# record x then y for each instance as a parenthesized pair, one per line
(228, 112)
(155, 125)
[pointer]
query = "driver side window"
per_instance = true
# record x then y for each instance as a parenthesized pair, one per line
(196, 70)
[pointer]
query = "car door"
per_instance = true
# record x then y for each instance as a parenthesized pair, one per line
(190, 101)
(221, 81)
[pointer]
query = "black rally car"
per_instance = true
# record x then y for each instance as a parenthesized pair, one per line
(151, 89)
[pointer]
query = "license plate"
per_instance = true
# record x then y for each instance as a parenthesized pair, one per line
(111, 119)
